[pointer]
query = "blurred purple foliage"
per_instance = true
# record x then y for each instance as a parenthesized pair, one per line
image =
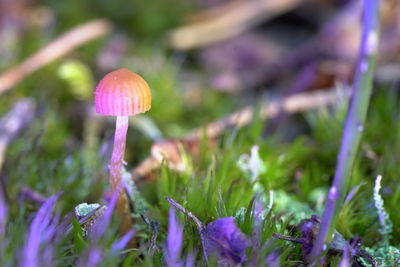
(123, 241)
(190, 260)
(224, 239)
(273, 259)
(3, 213)
(102, 225)
(93, 259)
(345, 261)
(240, 61)
(41, 232)
(97, 250)
(174, 240)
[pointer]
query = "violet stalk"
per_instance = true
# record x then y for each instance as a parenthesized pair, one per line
(352, 134)
(41, 231)
(174, 240)
(117, 158)
(3, 214)
(116, 165)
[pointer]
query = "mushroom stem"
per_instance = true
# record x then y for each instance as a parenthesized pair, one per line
(117, 162)
(117, 158)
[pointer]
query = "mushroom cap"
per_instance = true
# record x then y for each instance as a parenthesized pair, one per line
(122, 93)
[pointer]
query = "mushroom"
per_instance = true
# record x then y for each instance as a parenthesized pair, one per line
(121, 93)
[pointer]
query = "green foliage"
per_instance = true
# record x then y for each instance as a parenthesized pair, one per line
(293, 210)
(385, 256)
(79, 78)
(216, 187)
(79, 242)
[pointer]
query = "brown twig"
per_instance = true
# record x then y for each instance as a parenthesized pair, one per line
(199, 224)
(288, 238)
(59, 47)
(18, 117)
(269, 109)
(235, 19)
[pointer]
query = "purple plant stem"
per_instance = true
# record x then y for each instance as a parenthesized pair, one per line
(345, 261)
(174, 240)
(94, 257)
(32, 195)
(117, 162)
(102, 225)
(190, 260)
(352, 134)
(273, 259)
(3, 214)
(200, 226)
(120, 244)
(40, 231)
(11, 124)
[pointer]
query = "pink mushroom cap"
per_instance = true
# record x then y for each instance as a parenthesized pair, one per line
(122, 93)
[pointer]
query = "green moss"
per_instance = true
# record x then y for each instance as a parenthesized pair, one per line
(385, 256)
